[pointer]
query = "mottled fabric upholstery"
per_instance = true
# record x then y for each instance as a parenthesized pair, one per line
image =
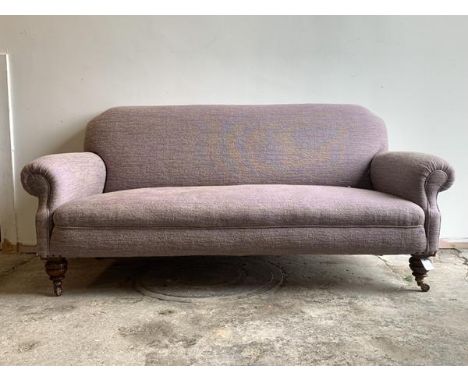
(241, 206)
(226, 145)
(242, 220)
(416, 177)
(121, 242)
(236, 180)
(57, 179)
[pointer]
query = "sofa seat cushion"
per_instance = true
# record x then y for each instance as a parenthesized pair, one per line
(241, 206)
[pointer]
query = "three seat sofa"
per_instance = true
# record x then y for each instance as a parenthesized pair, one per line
(236, 180)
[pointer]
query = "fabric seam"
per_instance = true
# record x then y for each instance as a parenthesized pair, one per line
(226, 228)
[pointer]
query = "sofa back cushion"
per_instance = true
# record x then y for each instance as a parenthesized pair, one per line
(159, 146)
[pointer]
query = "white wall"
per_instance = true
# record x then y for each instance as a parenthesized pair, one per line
(412, 71)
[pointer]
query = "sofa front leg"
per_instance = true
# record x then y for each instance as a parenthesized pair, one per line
(56, 268)
(419, 271)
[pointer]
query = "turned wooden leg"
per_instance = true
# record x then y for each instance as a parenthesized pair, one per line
(56, 268)
(419, 272)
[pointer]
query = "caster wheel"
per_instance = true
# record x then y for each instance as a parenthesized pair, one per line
(58, 290)
(424, 287)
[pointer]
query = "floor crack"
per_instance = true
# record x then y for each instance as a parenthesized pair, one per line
(391, 268)
(15, 267)
(458, 254)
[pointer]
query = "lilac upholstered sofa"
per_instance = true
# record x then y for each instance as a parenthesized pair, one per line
(236, 180)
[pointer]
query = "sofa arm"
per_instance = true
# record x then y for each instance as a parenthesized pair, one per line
(418, 178)
(56, 179)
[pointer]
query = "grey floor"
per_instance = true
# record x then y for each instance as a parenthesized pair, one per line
(290, 310)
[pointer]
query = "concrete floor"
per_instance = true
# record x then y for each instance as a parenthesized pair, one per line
(296, 310)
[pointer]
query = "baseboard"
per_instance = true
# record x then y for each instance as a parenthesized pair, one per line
(456, 243)
(9, 248)
(27, 249)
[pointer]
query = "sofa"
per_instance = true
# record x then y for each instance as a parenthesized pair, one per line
(236, 180)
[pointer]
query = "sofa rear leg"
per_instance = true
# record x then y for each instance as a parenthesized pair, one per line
(56, 268)
(419, 271)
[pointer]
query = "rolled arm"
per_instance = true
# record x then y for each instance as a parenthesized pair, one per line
(56, 179)
(416, 177)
